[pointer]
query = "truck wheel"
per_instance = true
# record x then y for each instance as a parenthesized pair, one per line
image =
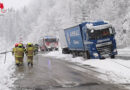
(86, 55)
(66, 51)
(77, 53)
(63, 52)
(74, 54)
(113, 56)
(56, 49)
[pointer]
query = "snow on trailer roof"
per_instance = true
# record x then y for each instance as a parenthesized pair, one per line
(46, 37)
(98, 25)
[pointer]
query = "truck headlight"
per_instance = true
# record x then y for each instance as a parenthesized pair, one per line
(115, 50)
(95, 54)
(48, 46)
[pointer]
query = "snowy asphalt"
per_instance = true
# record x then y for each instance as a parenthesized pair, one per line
(54, 74)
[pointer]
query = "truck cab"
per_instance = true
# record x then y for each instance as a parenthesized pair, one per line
(99, 39)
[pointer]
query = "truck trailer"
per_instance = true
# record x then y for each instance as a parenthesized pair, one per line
(92, 40)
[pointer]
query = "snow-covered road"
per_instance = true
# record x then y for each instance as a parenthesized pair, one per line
(116, 71)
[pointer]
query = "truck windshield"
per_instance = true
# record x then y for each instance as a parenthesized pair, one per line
(99, 34)
(51, 40)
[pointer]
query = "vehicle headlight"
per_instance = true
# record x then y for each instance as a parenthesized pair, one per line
(48, 46)
(95, 54)
(115, 50)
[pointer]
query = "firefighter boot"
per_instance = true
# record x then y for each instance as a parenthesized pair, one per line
(31, 63)
(17, 62)
(28, 62)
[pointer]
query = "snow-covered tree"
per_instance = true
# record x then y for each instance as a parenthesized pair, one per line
(48, 17)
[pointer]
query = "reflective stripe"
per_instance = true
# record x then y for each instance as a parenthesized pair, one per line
(19, 52)
(17, 61)
(30, 51)
(14, 51)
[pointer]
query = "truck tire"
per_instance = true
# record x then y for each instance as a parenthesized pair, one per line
(77, 53)
(56, 49)
(112, 56)
(65, 51)
(86, 55)
(73, 54)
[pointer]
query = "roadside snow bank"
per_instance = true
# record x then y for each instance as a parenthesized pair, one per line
(6, 71)
(124, 52)
(115, 70)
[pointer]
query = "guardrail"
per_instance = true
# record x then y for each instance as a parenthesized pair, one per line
(5, 52)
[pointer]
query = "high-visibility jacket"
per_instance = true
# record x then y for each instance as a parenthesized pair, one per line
(30, 51)
(14, 51)
(19, 52)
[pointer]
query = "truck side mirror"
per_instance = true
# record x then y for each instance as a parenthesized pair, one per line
(113, 31)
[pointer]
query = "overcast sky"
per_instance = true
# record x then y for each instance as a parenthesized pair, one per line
(16, 4)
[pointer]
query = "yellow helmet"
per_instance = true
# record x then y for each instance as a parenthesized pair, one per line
(20, 45)
(29, 43)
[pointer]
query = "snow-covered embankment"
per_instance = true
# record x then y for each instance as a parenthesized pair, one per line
(7, 69)
(116, 71)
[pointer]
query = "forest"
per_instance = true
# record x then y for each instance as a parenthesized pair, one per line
(48, 17)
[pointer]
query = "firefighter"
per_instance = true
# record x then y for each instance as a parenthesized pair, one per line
(30, 52)
(14, 52)
(23, 49)
(19, 54)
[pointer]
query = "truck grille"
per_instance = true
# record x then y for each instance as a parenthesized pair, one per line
(107, 49)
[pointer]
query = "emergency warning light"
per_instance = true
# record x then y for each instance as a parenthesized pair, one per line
(1, 6)
(2, 10)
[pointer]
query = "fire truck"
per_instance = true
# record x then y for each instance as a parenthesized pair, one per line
(48, 43)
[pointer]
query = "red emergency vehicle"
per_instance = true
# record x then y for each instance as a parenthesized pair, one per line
(48, 43)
